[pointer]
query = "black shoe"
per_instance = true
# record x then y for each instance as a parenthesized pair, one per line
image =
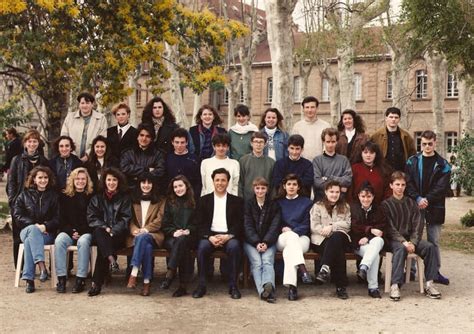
(43, 275)
(30, 286)
(235, 293)
(267, 290)
(362, 274)
(292, 293)
(79, 286)
(166, 283)
(323, 276)
(199, 292)
(61, 286)
(341, 293)
(94, 290)
(271, 298)
(180, 292)
(441, 279)
(375, 293)
(306, 278)
(114, 267)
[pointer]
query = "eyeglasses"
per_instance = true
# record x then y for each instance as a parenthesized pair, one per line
(427, 144)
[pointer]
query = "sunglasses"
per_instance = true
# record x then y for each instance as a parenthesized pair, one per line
(427, 144)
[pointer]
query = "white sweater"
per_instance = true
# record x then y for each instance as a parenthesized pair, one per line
(211, 164)
(311, 132)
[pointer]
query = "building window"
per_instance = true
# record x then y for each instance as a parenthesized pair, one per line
(421, 84)
(325, 91)
(358, 86)
(269, 90)
(296, 90)
(452, 87)
(451, 140)
(138, 94)
(389, 94)
(418, 140)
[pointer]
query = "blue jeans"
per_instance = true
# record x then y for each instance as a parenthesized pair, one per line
(33, 241)
(371, 258)
(143, 254)
(433, 231)
(63, 241)
(261, 265)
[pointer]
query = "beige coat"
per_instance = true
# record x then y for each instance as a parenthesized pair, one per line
(153, 219)
(73, 127)
(320, 218)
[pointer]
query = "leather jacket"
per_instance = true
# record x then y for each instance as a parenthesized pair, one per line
(135, 161)
(115, 213)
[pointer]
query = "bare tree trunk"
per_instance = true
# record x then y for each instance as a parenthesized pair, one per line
(233, 87)
(280, 40)
(196, 105)
(346, 76)
(400, 94)
(175, 88)
(465, 106)
(335, 98)
(132, 99)
(246, 68)
(438, 72)
(305, 72)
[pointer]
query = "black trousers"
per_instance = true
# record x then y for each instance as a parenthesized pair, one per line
(180, 256)
(16, 240)
(106, 246)
(332, 252)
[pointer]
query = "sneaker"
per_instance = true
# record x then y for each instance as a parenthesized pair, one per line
(395, 293)
(441, 279)
(375, 293)
(362, 273)
(323, 276)
(307, 279)
(114, 267)
(432, 292)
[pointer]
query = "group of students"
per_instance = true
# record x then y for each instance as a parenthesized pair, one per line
(161, 186)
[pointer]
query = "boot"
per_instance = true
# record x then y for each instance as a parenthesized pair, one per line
(61, 286)
(79, 286)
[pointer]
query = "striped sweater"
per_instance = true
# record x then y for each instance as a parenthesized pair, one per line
(404, 221)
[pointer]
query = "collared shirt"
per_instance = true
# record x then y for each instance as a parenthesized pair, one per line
(395, 153)
(219, 217)
(123, 128)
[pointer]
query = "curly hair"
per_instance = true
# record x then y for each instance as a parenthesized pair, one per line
(70, 189)
(189, 196)
(57, 141)
(30, 180)
(359, 124)
(147, 116)
(278, 115)
(217, 119)
(122, 186)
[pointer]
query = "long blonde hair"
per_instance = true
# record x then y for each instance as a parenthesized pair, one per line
(70, 190)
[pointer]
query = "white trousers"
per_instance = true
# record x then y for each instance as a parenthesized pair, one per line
(293, 247)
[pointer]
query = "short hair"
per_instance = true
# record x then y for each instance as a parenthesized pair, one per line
(179, 133)
(393, 110)
(260, 181)
(359, 125)
(259, 135)
(57, 141)
(11, 131)
(398, 175)
(30, 180)
(296, 140)
(428, 134)
(86, 96)
(137, 193)
(120, 105)
(289, 177)
(217, 119)
(366, 186)
(220, 171)
(309, 99)
(115, 172)
(148, 128)
(32, 134)
(278, 115)
(70, 189)
(221, 138)
(329, 132)
(241, 109)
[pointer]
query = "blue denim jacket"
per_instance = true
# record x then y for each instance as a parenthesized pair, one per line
(280, 141)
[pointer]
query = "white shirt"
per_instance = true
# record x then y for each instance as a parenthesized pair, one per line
(124, 129)
(210, 165)
(144, 205)
(219, 217)
(350, 134)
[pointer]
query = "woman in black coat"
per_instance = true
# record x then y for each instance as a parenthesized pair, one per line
(36, 212)
(262, 227)
(64, 162)
(108, 214)
(100, 158)
(159, 114)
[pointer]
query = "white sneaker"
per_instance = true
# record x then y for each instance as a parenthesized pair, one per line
(432, 292)
(395, 293)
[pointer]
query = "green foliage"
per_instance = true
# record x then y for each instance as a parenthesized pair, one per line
(464, 151)
(443, 25)
(12, 113)
(468, 219)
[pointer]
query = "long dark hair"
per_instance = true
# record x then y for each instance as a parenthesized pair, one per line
(122, 186)
(277, 113)
(359, 125)
(93, 156)
(341, 206)
(137, 192)
(147, 116)
(189, 196)
(379, 161)
(289, 177)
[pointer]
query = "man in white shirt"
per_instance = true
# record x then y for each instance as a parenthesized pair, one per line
(311, 128)
(219, 220)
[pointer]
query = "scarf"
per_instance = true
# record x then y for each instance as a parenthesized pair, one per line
(33, 158)
(244, 129)
(109, 195)
(158, 123)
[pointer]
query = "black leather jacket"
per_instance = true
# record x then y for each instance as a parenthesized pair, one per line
(37, 207)
(135, 161)
(261, 225)
(115, 213)
(19, 169)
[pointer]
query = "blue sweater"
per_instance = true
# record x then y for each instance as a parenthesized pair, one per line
(295, 214)
(301, 167)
